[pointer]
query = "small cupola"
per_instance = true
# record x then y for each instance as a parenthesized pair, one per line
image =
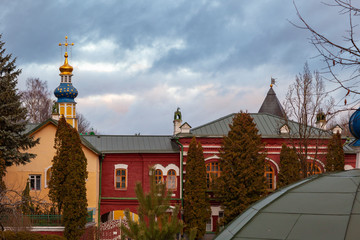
(177, 121)
(321, 120)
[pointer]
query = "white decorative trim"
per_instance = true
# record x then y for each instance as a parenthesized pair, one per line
(319, 153)
(206, 146)
(205, 152)
(45, 176)
(318, 161)
(215, 210)
(47, 229)
(273, 162)
(158, 167)
(172, 166)
(167, 168)
(123, 166)
(212, 157)
(348, 167)
(297, 147)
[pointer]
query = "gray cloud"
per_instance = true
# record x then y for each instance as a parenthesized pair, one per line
(208, 57)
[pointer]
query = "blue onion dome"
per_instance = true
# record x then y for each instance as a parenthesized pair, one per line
(65, 92)
(354, 124)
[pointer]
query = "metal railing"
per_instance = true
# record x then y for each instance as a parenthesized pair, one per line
(52, 220)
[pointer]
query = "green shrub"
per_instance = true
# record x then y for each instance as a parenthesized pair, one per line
(9, 235)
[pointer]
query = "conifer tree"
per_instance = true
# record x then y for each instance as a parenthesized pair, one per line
(242, 180)
(67, 183)
(27, 206)
(154, 223)
(196, 203)
(13, 139)
(335, 154)
(289, 167)
(59, 164)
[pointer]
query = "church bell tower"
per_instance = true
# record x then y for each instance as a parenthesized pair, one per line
(66, 92)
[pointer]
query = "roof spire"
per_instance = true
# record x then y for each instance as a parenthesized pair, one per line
(271, 104)
(66, 69)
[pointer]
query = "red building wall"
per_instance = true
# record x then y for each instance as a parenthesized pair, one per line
(138, 165)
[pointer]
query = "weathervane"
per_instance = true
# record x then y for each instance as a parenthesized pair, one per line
(272, 82)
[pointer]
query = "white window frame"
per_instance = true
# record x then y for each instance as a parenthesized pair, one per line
(37, 183)
(209, 225)
(175, 180)
(46, 183)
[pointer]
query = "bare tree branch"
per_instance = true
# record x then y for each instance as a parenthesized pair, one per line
(340, 58)
(37, 100)
(305, 100)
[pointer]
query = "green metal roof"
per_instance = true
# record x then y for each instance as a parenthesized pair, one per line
(324, 206)
(31, 126)
(267, 124)
(132, 143)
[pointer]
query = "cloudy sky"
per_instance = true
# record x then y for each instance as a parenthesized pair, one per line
(136, 61)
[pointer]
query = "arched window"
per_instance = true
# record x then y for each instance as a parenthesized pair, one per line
(312, 169)
(48, 176)
(171, 180)
(212, 171)
(270, 176)
(121, 179)
(158, 176)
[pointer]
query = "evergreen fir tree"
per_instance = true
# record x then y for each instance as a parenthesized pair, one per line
(242, 180)
(289, 167)
(67, 183)
(196, 203)
(335, 155)
(154, 223)
(59, 164)
(27, 206)
(13, 139)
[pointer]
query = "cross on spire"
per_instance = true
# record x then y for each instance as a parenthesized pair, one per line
(66, 44)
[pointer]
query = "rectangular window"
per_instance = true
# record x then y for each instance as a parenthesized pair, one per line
(221, 215)
(120, 179)
(35, 182)
(209, 225)
(171, 180)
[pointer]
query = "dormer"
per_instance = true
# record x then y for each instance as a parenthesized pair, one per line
(284, 129)
(185, 128)
(337, 129)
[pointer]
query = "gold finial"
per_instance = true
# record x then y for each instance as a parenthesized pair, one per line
(66, 69)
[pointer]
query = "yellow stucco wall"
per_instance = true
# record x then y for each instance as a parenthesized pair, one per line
(17, 176)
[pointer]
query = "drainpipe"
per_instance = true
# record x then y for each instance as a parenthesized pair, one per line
(101, 158)
(181, 173)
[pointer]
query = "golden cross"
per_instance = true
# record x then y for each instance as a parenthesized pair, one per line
(66, 44)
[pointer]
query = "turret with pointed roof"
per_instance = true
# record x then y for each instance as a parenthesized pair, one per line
(272, 104)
